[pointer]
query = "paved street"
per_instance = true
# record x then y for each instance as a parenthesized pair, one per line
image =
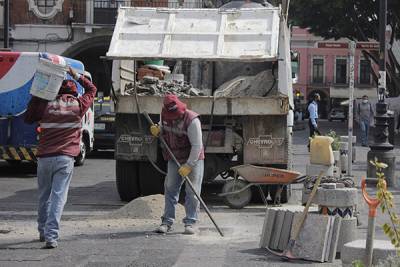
(87, 239)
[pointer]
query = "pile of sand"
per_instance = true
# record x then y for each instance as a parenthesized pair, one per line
(148, 207)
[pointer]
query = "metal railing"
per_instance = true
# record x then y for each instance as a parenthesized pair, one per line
(105, 11)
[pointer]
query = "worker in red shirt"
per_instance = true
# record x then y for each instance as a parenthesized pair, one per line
(60, 122)
(181, 129)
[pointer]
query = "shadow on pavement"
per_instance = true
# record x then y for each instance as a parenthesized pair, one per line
(82, 198)
(269, 257)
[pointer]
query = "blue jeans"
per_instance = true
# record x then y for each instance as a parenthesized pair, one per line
(364, 126)
(173, 184)
(54, 177)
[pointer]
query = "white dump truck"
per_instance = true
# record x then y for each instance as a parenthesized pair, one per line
(238, 59)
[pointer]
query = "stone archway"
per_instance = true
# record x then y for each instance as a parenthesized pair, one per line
(323, 105)
(89, 52)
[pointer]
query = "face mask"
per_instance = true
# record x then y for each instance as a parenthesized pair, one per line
(365, 101)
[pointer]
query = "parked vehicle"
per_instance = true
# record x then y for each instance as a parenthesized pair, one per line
(104, 123)
(240, 130)
(337, 114)
(18, 140)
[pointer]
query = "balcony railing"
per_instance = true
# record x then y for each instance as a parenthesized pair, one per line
(105, 11)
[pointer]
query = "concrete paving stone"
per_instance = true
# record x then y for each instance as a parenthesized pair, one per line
(329, 239)
(267, 227)
(315, 169)
(276, 232)
(347, 233)
(310, 245)
(285, 232)
(355, 250)
(329, 185)
(337, 224)
(340, 197)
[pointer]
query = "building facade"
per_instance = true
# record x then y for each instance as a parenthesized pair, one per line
(323, 67)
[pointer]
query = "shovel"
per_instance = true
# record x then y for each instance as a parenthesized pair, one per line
(187, 180)
(287, 253)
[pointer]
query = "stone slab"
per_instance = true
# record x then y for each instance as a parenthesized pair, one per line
(337, 224)
(315, 169)
(310, 245)
(348, 232)
(355, 250)
(277, 229)
(328, 185)
(329, 239)
(340, 197)
(285, 232)
(267, 227)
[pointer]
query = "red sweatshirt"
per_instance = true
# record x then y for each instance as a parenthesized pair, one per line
(60, 121)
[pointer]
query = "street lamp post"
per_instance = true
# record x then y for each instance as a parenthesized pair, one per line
(381, 148)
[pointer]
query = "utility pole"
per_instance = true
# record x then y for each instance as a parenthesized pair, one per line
(352, 46)
(381, 148)
(6, 23)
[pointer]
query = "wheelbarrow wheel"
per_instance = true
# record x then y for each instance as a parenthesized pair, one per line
(238, 200)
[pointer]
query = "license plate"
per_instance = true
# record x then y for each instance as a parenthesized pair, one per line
(99, 126)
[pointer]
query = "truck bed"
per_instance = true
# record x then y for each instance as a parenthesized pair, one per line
(272, 105)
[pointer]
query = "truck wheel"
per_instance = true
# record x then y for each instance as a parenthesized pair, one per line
(239, 200)
(80, 159)
(150, 180)
(127, 180)
(284, 195)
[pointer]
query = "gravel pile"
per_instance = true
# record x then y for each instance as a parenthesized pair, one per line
(148, 207)
(154, 86)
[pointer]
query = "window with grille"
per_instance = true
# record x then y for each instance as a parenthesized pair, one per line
(45, 6)
(110, 3)
(365, 71)
(341, 71)
(318, 70)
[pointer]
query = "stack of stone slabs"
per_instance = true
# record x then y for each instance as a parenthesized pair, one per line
(317, 240)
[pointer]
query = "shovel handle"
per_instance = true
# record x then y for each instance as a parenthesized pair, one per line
(373, 203)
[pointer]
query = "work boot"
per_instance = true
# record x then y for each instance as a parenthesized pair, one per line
(50, 245)
(189, 230)
(163, 229)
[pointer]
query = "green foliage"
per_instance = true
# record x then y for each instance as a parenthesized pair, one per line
(387, 206)
(356, 20)
(336, 139)
(357, 263)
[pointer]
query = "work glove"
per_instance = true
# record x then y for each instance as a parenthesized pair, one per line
(184, 170)
(155, 130)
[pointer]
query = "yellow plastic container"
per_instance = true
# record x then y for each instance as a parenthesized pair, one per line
(321, 150)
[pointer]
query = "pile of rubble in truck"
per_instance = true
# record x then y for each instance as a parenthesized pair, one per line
(262, 84)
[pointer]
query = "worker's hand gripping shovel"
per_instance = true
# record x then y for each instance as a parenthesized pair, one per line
(287, 253)
(187, 180)
(372, 205)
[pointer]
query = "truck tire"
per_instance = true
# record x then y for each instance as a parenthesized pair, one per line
(151, 182)
(127, 180)
(80, 159)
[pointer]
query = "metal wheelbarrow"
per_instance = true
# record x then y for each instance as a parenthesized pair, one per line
(237, 193)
